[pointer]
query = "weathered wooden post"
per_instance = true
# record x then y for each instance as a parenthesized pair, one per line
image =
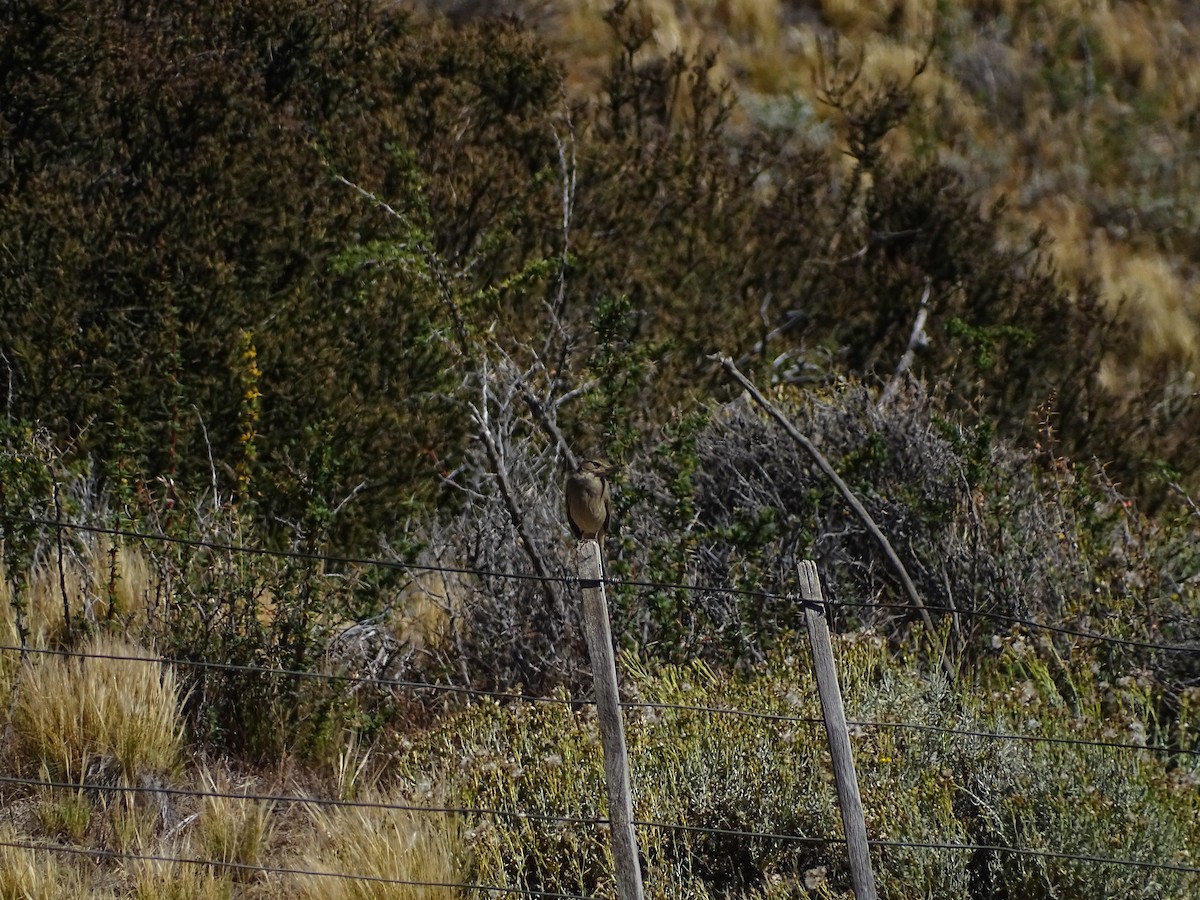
(862, 877)
(612, 729)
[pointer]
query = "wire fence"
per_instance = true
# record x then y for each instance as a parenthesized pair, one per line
(307, 800)
(399, 565)
(45, 784)
(261, 869)
(511, 696)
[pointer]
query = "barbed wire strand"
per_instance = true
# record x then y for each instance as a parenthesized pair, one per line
(310, 556)
(286, 799)
(891, 844)
(1033, 625)
(633, 704)
(96, 853)
(1048, 854)
(297, 799)
(301, 800)
(725, 832)
(569, 820)
(937, 845)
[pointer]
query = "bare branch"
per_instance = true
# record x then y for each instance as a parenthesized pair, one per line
(844, 489)
(917, 339)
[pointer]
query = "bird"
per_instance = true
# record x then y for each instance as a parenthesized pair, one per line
(589, 501)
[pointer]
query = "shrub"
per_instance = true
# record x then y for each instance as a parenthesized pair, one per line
(697, 766)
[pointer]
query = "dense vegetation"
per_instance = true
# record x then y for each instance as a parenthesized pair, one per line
(332, 279)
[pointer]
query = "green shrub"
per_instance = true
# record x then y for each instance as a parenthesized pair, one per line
(697, 766)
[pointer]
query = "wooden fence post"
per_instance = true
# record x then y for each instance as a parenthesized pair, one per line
(862, 877)
(612, 729)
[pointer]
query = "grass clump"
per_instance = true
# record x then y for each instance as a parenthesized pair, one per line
(108, 714)
(27, 874)
(408, 852)
(168, 881)
(234, 830)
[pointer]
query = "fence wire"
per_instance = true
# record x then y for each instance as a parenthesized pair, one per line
(508, 696)
(571, 579)
(511, 696)
(261, 869)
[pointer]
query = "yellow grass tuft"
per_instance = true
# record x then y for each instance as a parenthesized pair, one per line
(91, 583)
(912, 19)
(233, 830)
(353, 770)
(170, 881)
(756, 21)
(383, 843)
(854, 16)
(128, 576)
(1128, 42)
(75, 717)
(427, 608)
(887, 62)
(44, 609)
(34, 874)
(669, 31)
(1154, 297)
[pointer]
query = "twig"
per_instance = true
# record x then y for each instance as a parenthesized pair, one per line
(1177, 488)
(436, 269)
(915, 340)
(62, 577)
(539, 412)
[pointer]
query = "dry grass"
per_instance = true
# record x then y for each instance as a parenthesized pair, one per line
(755, 21)
(427, 609)
(9, 636)
(233, 830)
(354, 770)
(1158, 300)
(167, 881)
(856, 18)
(1129, 42)
(391, 844)
(75, 718)
(95, 582)
(34, 874)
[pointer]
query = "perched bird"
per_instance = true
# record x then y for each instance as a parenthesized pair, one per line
(589, 503)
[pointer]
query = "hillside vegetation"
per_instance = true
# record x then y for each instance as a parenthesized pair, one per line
(303, 301)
